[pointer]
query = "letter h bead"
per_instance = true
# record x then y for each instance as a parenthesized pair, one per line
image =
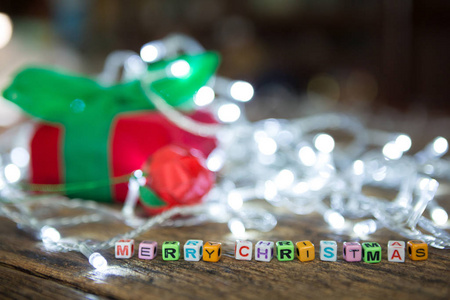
(193, 250)
(243, 250)
(264, 251)
(124, 248)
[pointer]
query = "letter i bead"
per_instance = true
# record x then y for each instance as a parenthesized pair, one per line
(124, 248)
(193, 250)
(352, 251)
(243, 250)
(147, 249)
(417, 250)
(212, 251)
(171, 250)
(305, 251)
(264, 251)
(328, 250)
(285, 250)
(396, 251)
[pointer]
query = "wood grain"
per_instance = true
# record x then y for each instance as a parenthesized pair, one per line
(27, 270)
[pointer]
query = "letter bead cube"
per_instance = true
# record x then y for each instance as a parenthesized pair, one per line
(124, 248)
(305, 251)
(371, 252)
(171, 250)
(396, 251)
(264, 251)
(147, 249)
(243, 250)
(212, 251)
(328, 250)
(193, 250)
(285, 250)
(352, 251)
(417, 250)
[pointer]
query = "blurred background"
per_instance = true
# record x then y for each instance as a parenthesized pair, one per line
(373, 54)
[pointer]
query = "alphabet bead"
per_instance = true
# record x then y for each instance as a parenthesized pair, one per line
(243, 250)
(417, 250)
(193, 250)
(171, 250)
(147, 249)
(124, 248)
(285, 250)
(212, 251)
(305, 251)
(264, 251)
(328, 250)
(352, 251)
(371, 252)
(396, 251)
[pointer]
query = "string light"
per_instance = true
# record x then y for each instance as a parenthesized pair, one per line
(271, 159)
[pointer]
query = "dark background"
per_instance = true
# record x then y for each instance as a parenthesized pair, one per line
(391, 53)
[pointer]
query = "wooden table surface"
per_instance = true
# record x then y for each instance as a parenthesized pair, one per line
(27, 270)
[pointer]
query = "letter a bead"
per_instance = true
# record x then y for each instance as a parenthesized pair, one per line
(396, 251)
(371, 252)
(147, 249)
(212, 251)
(243, 250)
(264, 251)
(352, 251)
(171, 250)
(124, 248)
(417, 250)
(305, 251)
(193, 250)
(328, 250)
(285, 250)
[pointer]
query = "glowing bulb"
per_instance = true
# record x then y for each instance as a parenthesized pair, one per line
(204, 96)
(229, 113)
(180, 68)
(284, 179)
(98, 261)
(307, 156)
(301, 188)
(241, 91)
(50, 234)
(12, 173)
(267, 146)
(20, 157)
(365, 227)
(392, 151)
(439, 216)
(5, 30)
(358, 167)
(236, 227)
(270, 190)
(153, 51)
(324, 143)
(334, 219)
(403, 142)
(440, 145)
(235, 200)
(215, 160)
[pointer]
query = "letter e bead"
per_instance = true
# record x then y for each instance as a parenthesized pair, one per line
(147, 249)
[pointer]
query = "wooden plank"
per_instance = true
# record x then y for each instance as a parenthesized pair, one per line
(135, 278)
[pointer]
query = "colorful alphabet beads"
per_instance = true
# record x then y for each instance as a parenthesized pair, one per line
(196, 250)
